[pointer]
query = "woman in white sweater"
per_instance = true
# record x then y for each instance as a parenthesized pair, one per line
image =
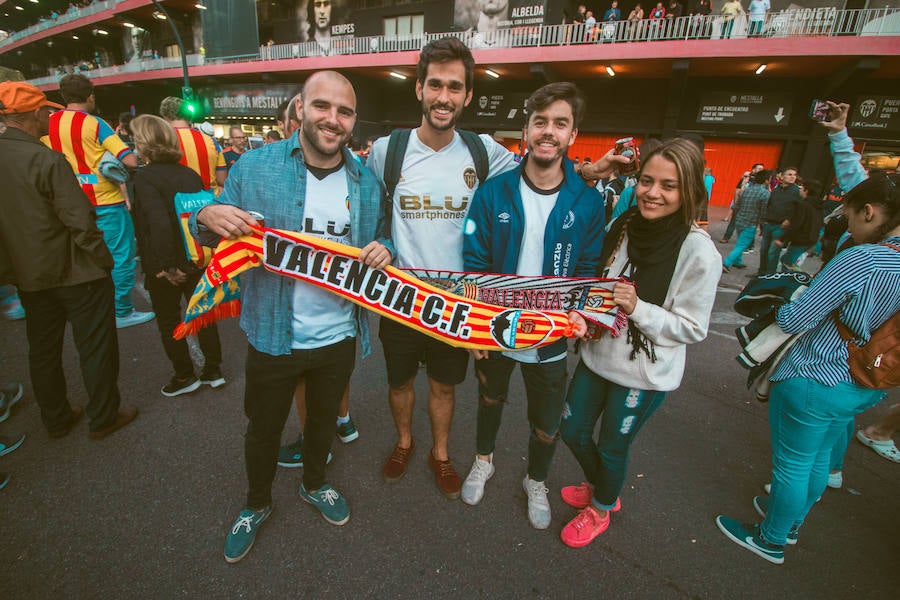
(675, 268)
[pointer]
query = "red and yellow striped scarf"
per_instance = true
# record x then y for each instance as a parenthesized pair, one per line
(390, 292)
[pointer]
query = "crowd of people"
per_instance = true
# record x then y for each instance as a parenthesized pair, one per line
(68, 238)
(658, 21)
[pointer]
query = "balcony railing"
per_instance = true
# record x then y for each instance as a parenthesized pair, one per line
(812, 22)
(805, 22)
(135, 66)
(67, 17)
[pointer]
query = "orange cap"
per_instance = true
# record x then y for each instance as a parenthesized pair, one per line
(20, 97)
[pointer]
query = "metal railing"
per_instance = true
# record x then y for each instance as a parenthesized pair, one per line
(806, 22)
(66, 17)
(135, 66)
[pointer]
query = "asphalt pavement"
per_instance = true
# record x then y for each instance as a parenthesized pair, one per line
(144, 513)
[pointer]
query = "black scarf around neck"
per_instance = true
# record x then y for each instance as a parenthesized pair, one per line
(653, 248)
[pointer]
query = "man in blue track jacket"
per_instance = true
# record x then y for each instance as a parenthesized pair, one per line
(537, 219)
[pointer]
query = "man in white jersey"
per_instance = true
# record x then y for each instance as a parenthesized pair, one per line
(311, 183)
(553, 224)
(430, 203)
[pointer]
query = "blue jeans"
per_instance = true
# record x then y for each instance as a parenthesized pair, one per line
(118, 233)
(726, 29)
(806, 420)
(769, 252)
(624, 412)
(744, 241)
(792, 255)
(839, 450)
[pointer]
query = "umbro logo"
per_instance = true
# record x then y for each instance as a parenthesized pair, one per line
(569, 220)
(503, 217)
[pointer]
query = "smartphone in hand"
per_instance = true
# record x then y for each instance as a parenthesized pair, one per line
(820, 111)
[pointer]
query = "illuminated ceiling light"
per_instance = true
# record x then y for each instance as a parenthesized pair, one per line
(75, 37)
(19, 7)
(102, 32)
(35, 1)
(610, 72)
(200, 5)
(159, 16)
(493, 74)
(761, 68)
(397, 75)
(128, 25)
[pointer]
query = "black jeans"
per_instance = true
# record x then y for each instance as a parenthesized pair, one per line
(90, 308)
(268, 396)
(545, 391)
(166, 301)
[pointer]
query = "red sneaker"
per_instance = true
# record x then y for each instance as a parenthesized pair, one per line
(395, 467)
(579, 496)
(445, 476)
(582, 530)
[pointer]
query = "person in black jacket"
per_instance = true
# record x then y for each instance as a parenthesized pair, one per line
(170, 276)
(805, 223)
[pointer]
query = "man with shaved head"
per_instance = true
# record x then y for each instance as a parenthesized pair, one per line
(309, 182)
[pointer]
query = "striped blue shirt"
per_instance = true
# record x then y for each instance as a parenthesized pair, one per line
(864, 283)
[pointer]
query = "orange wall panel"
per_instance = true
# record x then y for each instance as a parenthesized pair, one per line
(728, 159)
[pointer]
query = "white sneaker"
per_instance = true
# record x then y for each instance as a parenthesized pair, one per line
(473, 487)
(136, 317)
(836, 480)
(538, 505)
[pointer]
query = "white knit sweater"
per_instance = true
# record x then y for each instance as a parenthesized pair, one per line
(682, 319)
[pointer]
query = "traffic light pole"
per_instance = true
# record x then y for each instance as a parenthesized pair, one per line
(186, 92)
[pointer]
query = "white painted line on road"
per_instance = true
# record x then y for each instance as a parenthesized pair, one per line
(730, 336)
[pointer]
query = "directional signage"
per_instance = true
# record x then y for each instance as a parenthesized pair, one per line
(730, 108)
(876, 112)
(500, 109)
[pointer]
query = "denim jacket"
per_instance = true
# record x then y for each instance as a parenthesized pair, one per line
(272, 181)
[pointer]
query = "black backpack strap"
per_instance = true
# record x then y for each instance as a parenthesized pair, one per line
(393, 160)
(479, 154)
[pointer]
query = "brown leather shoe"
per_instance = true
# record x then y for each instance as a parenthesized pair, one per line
(395, 467)
(126, 415)
(445, 476)
(59, 432)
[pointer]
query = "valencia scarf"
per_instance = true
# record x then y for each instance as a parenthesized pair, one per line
(459, 320)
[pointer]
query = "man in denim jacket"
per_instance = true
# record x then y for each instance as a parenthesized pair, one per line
(308, 183)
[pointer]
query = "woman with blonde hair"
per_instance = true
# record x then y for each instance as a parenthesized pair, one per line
(169, 274)
(675, 269)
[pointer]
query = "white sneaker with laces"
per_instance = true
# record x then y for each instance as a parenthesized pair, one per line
(473, 487)
(538, 505)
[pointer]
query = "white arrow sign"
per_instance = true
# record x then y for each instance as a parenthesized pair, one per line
(779, 115)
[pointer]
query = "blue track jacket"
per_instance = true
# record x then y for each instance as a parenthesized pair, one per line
(573, 238)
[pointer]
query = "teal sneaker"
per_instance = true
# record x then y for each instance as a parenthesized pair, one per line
(243, 533)
(749, 536)
(347, 432)
(291, 455)
(761, 504)
(330, 503)
(9, 395)
(8, 444)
